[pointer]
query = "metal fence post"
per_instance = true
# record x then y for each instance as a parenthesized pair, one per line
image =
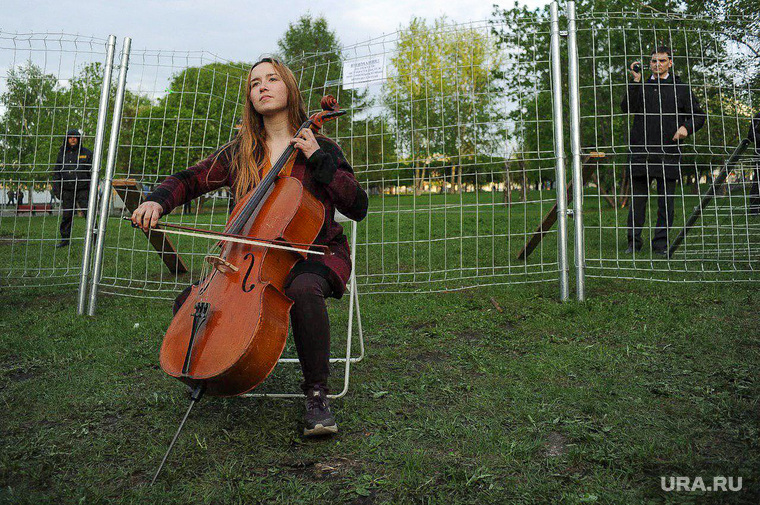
(105, 200)
(575, 149)
(559, 152)
(105, 93)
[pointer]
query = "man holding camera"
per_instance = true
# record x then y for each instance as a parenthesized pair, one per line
(664, 113)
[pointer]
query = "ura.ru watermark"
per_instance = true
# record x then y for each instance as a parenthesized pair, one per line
(689, 484)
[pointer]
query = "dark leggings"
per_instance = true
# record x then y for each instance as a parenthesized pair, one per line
(311, 327)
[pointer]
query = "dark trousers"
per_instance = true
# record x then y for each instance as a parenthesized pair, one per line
(70, 197)
(666, 189)
(754, 193)
(311, 327)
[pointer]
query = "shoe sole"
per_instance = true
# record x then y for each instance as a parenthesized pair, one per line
(320, 430)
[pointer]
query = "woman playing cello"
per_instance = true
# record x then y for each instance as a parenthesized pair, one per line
(274, 110)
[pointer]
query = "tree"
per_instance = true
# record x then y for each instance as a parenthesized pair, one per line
(31, 120)
(197, 115)
(442, 99)
(313, 52)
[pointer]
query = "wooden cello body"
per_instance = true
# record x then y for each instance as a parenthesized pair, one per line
(239, 339)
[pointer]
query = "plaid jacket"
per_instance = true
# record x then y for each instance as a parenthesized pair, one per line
(327, 175)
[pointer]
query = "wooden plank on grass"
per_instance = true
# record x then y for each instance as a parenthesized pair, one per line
(130, 192)
(589, 162)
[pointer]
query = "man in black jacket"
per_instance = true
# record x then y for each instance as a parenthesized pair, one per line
(71, 180)
(664, 113)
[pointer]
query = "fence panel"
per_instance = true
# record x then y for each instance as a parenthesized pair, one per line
(720, 66)
(439, 143)
(50, 83)
(179, 107)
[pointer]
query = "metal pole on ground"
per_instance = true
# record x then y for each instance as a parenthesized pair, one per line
(559, 153)
(105, 92)
(575, 149)
(105, 200)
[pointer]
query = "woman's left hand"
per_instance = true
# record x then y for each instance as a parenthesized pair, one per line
(305, 142)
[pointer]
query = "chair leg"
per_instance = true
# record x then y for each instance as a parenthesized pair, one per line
(355, 296)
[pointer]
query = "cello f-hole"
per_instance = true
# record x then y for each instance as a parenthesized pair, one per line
(247, 273)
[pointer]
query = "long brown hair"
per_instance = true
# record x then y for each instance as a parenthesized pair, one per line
(249, 147)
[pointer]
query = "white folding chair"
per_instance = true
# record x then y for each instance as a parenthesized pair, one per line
(353, 304)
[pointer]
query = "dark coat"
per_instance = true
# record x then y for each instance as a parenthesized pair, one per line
(660, 107)
(754, 133)
(73, 165)
(327, 175)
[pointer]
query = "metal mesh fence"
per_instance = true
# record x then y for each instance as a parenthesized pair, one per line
(49, 83)
(632, 125)
(458, 140)
(439, 146)
(179, 107)
(455, 192)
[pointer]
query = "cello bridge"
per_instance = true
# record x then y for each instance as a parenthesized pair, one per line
(220, 264)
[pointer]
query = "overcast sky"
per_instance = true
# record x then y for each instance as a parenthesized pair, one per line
(233, 29)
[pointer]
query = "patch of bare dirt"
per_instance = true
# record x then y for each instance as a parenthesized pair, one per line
(431, 356)
(555, 445)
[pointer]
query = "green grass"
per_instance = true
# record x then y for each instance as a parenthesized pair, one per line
(495, 395)
(430, 242)
(499, 394)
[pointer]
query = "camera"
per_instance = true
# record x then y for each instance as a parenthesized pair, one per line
(637, 68)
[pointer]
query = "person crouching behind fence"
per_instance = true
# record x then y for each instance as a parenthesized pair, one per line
(664, 112)
(274, 110)
(71, 180)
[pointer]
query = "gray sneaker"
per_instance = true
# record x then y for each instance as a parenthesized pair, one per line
(318, 419)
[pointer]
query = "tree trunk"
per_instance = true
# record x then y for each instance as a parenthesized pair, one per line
(602, 191)
(419, 174)
(507, 185)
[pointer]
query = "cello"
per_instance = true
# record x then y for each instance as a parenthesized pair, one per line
(228, 335)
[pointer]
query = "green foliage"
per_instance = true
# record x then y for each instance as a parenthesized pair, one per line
(442, 96)
(312, 51)
(39, 109)
(197, 114)
(34, 121)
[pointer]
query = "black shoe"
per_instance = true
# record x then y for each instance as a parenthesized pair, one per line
(663, 253)
(62, 243)
(630, 249)
(318, 419)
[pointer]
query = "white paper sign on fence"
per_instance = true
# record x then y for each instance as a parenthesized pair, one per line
(361, 72)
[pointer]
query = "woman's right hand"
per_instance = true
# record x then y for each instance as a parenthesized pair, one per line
(146, 215)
